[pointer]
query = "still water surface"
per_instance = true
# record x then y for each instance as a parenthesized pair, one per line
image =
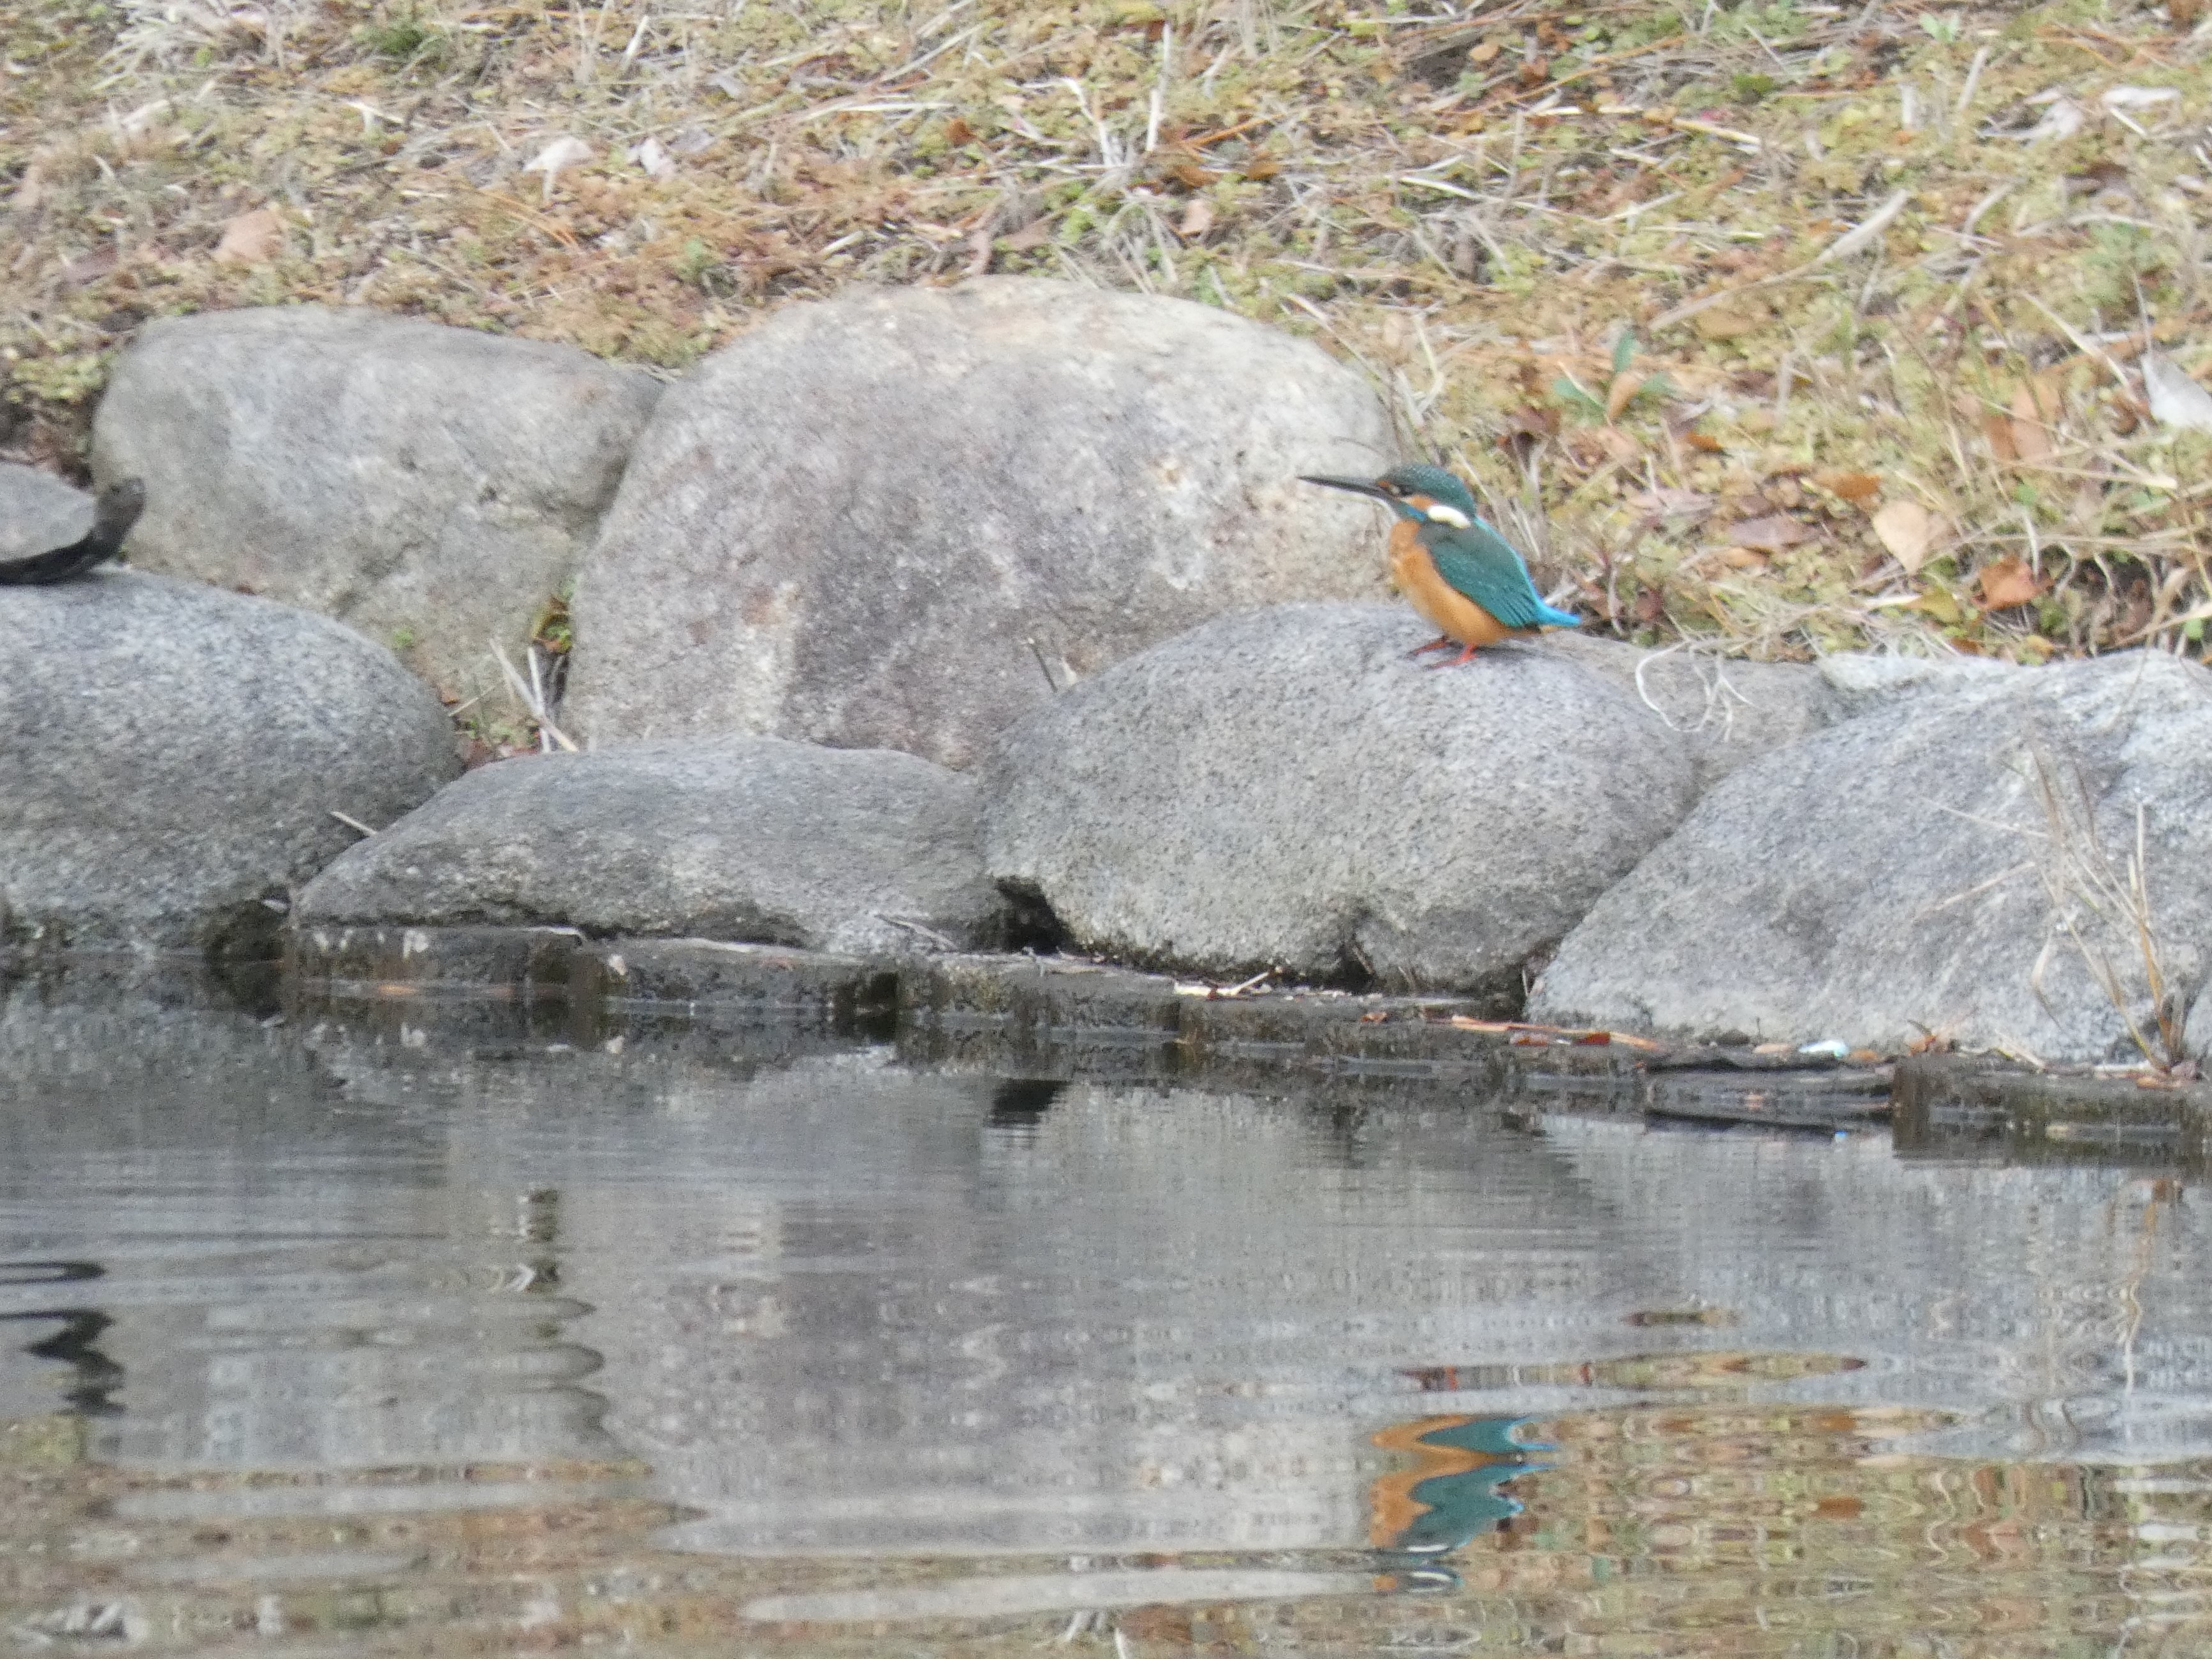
(326, 1340)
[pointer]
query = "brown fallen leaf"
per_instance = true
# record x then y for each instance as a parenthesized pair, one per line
(91, 267)
(1771, 534)
(1197, 218)
(2007, 583)
(1705, 441)
(1622, 393)
(1619, 444)
(1723, 324)
(1570, 1034)
(250, 239)
(1668, 502)
(1856, 488)
(2031, 438)
(30, 189)
(1905, 528)
(1997, 429)
(1480, 55)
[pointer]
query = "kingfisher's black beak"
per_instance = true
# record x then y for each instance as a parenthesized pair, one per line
(1357, 486)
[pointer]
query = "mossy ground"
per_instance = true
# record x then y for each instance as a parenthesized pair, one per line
(1504, 213)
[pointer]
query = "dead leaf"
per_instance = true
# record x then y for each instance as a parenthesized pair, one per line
(1705, 441)
(1741, 558)
(2175, 400)
(250, 239)
(1197, 218)
(2031, 438)
(1668, 502)
(1622, 393)
(1941, 604)
(2007, 583)
(1905, 528)
(1721, 323)
(1856, 488)
(1620, 446)
(1998, 430)
(1772, 533)
(2119, 98)
(958, 133)
(652, 156)
(30, 189)
(565, 151)
(89, 268)
(1484, 54)
(2062, 120)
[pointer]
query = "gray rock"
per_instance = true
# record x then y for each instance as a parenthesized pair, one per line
(38, 512)
(50, 533)
(1284, 788)
(1887, 878)
(901, 517)
(1863, 681)
(431, 487)
(171, 755)
(1727, 711)
(731, 838)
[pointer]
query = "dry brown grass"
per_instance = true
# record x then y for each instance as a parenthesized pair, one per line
(1507, 213)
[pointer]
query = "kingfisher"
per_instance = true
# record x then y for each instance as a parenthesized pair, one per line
(1457, 572)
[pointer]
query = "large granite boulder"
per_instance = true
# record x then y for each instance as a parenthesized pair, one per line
(902, 518)
(1936, 867)
(431, 487)
(172, 756)
(1727, 711)
(729, 838)
(1283, 788)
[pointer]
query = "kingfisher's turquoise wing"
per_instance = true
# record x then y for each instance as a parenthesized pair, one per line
(1482, 564)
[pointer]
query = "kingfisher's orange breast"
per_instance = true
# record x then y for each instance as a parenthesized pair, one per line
(1450, 612)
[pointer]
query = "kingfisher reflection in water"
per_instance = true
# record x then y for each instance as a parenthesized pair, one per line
(1449, 1496)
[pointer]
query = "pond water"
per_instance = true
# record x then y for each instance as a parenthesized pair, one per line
(330, 1337)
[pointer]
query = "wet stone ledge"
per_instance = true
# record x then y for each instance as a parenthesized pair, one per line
(1016, 1015)
(553, 984)
(1965, 1110)
(1048, 1018)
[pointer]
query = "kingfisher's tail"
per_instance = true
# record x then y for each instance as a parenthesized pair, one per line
(1547, 617)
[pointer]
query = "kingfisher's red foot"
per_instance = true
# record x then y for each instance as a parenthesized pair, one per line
(1461, 660)
(1442, 642)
